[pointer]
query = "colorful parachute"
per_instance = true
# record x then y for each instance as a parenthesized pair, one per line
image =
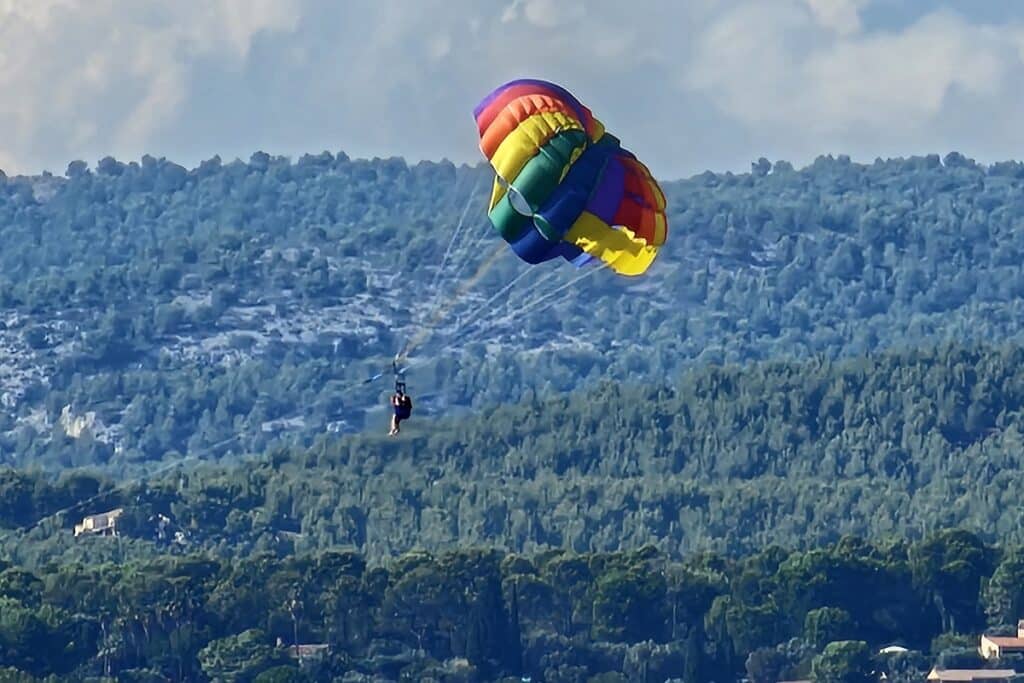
(564, 187)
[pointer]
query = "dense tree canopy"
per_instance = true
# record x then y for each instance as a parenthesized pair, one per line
(236, 306)
(795, 443)
(728, 459)
(483, 615)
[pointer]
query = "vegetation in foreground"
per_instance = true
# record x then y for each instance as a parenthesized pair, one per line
(481, 615)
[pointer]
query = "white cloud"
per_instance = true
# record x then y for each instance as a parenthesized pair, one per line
(686, 85)
(548, 14)
(106, 76)
(773, 72)
(841, 16)
(901, 81)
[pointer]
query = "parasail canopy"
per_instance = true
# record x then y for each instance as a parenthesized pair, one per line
(564, 186)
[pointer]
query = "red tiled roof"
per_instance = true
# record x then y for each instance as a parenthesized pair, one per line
(1007, 641)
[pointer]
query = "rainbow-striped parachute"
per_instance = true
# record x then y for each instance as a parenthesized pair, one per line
(564, 186)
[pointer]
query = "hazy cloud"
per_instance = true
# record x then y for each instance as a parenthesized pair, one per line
(686, 85)
(879, 93)
(841, 16)
(107, 76)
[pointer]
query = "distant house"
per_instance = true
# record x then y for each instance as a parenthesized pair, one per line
(312, 651)
(994, 647)
(306, 652)
(970, 675)
(892, 649)
(104, 524)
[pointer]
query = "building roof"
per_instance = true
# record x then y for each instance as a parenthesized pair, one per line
(101, 522)
(309, 650)
(312, 647)
(968, 675)
(103, 516)
(1006, 641)
(892, 649)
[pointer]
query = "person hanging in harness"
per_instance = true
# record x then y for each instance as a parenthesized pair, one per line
(401, 403)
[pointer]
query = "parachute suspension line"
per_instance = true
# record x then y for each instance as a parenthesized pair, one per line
(463, 258)
(473, 247)
(530, 307)
(448, 251)
(399, 377)
(534, 307)
(444, 259)
(400, 367)
(425, 332)
(474, 315)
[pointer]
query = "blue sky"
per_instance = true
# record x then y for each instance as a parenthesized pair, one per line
(688, 85)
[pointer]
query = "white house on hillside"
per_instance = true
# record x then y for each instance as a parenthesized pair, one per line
(994, 647)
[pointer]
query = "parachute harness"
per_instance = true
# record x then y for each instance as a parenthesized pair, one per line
(399, 378)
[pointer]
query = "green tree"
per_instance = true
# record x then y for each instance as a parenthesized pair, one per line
(845, 661)
(765, 665)
(237, 657)
(1003, 596)
(827, 624)
(282, 674)
(950, 566)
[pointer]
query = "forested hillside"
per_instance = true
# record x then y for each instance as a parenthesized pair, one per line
(150, 310)
(730, 459)
(796, 441)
